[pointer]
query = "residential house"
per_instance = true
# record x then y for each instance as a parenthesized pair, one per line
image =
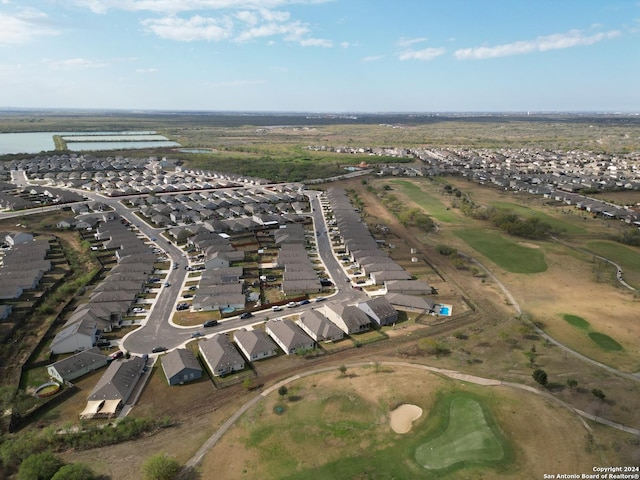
(181, 366)
(255, 344)
(380, 310)
(318, 327)
(289, 336)
(220, 356)
(77, 365)
(349, 318)
(114, 388)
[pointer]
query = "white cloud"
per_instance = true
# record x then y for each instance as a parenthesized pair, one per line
(23, 27)
(424, 54)
(372, 58)
(176, 6)
(407, 42)
(194, 28)
(75, 63)
(348, 44)
(572, 38)
(316, 42)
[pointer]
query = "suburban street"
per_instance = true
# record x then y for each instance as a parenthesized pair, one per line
(157, 330)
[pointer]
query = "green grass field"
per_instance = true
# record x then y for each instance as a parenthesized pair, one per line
(432, 205)
(559, 224)
(627, 257)
(505, 252)
(467, 438)
(576, 321)
(605, 341)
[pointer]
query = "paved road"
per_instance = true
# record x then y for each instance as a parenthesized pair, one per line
(157, 330)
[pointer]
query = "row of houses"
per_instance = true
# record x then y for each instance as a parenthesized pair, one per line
(299, 276)
(118, 176)
(364, 250)
(115, 296)
(227, 353)
(35, 196)
(24, 263)
(224, 210)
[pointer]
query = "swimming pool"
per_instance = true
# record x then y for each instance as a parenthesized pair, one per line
(444, 310)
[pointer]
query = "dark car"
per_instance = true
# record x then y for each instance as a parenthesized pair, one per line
(304, 302)
(326, 283)
(116, 355)
(187, 295)
(246, 315)
(158, 349)
(210, 323)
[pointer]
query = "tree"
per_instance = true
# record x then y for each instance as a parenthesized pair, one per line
(74, 471)
(599, 394)
(540, 376)
(572, 383)
(343, 369)
(247, 383)
(283, 390)
(160, 467)
(39, 466)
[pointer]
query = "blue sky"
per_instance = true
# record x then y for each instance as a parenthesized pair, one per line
(321, 55)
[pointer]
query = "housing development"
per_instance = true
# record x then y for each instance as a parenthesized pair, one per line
(356, 311)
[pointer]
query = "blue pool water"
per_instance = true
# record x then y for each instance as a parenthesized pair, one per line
(444, 310)
(228, 310)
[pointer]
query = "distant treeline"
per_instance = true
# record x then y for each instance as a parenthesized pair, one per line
(34, 120)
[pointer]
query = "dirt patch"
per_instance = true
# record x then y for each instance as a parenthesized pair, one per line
(401, 418)
(528, 245)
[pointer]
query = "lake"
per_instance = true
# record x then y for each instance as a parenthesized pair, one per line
(36, 142)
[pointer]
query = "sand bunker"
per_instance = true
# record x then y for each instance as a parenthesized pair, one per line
(403, 416)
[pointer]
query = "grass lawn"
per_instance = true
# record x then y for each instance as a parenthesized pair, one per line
(432, 205)
(576, 321)
(505, 252)
(466, 436)
(560, 224)
(627, 257)
(605, 341)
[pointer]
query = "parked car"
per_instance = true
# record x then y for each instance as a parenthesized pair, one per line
(187, 295)
(182, 307)
(138, 310)
(292, 305)
(246, 315)
(304, 302)
(103, 343)
(158, 349)
(210, 323)
(167, 284)
(116, 355)
(193, 287)
(319, 299)
(276, 308)
(196, 334)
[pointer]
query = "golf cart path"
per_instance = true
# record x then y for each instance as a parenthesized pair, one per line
(194, 461)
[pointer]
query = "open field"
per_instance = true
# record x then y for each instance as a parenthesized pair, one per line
(339, 424)
(432, 205)
(506, 253)
(330, 415)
